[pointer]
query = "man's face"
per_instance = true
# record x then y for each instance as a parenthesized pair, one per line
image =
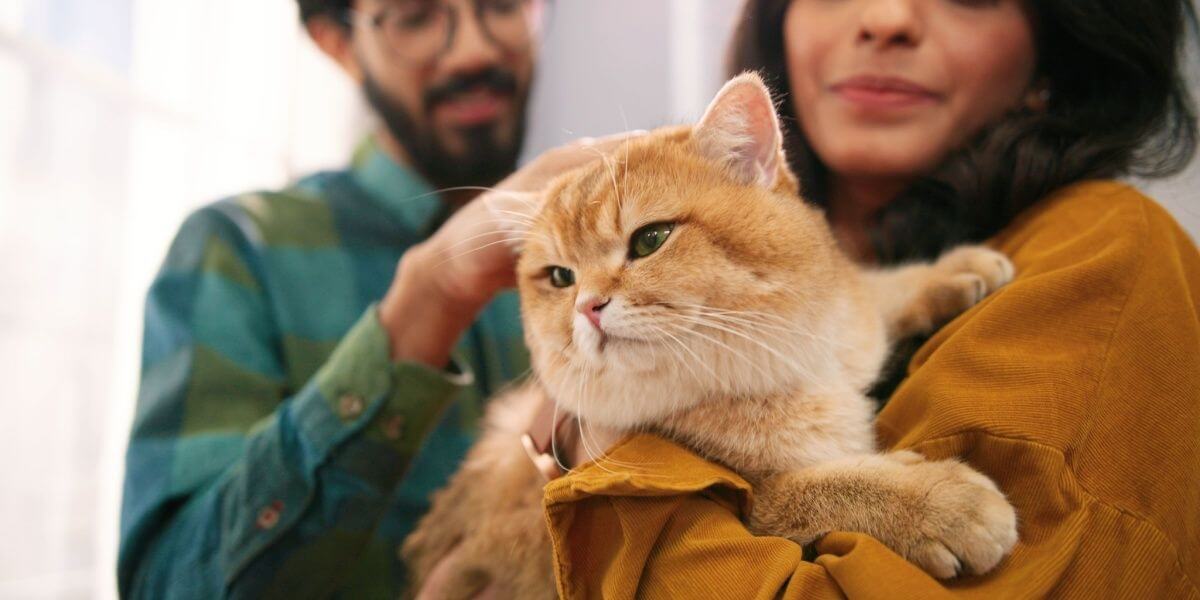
(458, 109)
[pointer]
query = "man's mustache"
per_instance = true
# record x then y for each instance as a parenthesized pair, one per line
(494, 79)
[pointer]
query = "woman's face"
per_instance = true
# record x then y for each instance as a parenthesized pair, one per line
(886, 88)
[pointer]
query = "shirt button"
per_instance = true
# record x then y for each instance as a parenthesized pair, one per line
(268, 517)
(350, 406)
(393, 428)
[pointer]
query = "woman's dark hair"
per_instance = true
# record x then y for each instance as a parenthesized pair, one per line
(1118, 105)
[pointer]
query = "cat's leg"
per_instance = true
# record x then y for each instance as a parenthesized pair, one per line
(507, 552)
(494, 496)
(917, 298)
(941, 515)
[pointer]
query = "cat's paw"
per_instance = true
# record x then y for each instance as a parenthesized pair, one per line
(961, 279)
(976, 271)
(963, 524)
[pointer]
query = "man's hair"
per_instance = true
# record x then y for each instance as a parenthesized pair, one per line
(317, 8)
(1118, 105)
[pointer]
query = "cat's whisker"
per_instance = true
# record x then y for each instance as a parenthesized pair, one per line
(720, 344)
(503, 234)
(473, 250)
(593, 455)
(469, 188)
(684, 346)
(589, 446)
(524, 233)
(612, 175)
(554, 442)
(601, 457)
(784, 324)
(794, 364)
(826, 346)
(757, 326)
(663, 335)
(625, 161)
(524, 218)
(774, 331)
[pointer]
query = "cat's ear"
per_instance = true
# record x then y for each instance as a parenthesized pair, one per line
(741, 130)
(513, 212)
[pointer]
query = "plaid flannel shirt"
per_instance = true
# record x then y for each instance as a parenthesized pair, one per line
(276, 450)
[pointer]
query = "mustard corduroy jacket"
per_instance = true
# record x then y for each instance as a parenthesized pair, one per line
(1076, 388)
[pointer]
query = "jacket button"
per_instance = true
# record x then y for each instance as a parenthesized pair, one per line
(268, 517)
(350, 406)
(393, 428)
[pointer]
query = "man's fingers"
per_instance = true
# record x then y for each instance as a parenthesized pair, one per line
(612, 140)
(585, 150)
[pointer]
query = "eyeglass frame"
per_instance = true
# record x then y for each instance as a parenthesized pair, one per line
(348, 18)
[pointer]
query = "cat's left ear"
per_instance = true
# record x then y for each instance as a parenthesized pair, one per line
(513, 212)
(741, 130)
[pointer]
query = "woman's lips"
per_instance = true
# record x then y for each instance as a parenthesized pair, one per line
(874, 92)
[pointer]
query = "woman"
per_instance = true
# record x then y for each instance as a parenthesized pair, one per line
(921, 124)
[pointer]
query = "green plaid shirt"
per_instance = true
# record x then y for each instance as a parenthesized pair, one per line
(276, 450)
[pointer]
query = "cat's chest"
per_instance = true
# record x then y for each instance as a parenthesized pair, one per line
(777, 434)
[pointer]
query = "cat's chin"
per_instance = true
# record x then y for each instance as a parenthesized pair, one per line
(628, 403)
(604, 351)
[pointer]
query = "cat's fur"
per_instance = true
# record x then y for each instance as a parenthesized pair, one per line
(748, 336)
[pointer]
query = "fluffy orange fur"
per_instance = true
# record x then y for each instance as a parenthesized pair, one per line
(748, 336)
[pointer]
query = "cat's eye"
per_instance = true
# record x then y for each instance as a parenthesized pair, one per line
(561, 277)
(649, 238)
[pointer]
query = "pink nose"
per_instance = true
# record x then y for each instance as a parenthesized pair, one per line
(591, 307)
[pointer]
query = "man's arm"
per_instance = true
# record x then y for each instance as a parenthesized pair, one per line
(228, 481)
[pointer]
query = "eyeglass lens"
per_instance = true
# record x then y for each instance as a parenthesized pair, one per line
(421, 30)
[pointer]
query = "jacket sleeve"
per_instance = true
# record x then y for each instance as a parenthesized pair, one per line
(232, 479)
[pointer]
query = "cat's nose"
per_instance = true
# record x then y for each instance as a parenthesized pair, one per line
(590, 307)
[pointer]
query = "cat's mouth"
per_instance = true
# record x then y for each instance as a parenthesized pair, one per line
(608, 339)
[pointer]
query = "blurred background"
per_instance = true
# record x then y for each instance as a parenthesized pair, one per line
(117, 118)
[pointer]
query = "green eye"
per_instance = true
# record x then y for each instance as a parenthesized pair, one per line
(648, 239)
(561, 277)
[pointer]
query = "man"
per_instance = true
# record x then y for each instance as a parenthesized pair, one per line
(302, 392)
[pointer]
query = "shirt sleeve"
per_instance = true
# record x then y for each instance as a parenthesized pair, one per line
(692, 546)
(231, 478)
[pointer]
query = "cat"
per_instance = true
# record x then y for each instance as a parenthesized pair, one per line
(687, 290)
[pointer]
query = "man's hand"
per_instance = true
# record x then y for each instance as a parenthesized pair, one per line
(443, 283)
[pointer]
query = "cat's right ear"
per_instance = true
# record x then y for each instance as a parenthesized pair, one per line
(513, 212)
(740, 130)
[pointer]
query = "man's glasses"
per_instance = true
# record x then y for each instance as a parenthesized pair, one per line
(420, 31)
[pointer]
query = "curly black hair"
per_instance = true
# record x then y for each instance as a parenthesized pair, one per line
(317, 8)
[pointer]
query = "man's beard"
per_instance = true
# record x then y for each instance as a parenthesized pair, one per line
(485, 159)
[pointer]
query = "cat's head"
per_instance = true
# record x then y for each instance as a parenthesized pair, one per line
(683, 266)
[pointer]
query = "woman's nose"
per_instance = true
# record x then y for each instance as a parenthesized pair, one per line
(884, 23)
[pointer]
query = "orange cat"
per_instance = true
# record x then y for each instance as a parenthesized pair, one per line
(687, 290)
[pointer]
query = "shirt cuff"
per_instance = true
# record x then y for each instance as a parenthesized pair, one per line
(397, 403)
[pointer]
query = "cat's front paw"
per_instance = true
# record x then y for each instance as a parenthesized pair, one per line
(967, 274)
(963, 522)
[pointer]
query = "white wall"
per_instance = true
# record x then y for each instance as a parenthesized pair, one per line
(118, 117)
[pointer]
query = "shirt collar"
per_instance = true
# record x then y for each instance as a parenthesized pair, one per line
(399, 189)
(649, 466)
